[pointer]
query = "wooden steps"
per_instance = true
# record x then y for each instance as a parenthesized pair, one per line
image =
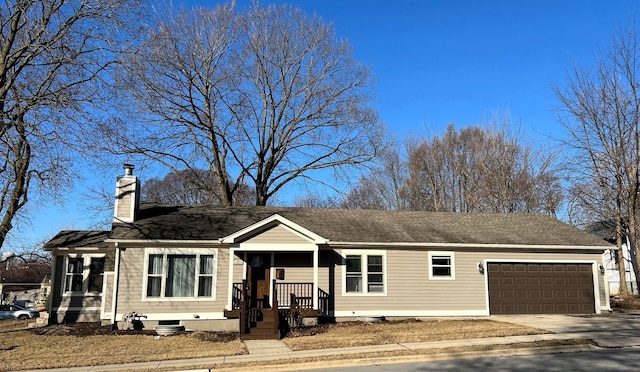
(265, 327)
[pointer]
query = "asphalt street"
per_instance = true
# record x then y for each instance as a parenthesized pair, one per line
(621, 359)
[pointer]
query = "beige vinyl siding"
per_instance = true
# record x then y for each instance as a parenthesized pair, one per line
(298, 266)
(409, 287)
(125, 198)
(109, 260)
(130, 294)
(238, 267)
(79, 301)
(107, 291)
(277, 235)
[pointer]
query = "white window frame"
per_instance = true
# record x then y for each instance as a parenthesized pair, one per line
(364, 254)
(180, 251)
(452, 265)
(86, 267)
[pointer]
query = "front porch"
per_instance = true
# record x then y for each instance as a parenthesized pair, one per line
(271, 316)
(272, 287)
(297, 296)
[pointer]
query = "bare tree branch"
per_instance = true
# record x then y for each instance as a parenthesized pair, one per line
(260, 97)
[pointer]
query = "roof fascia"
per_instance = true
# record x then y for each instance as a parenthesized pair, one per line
(469, 245)
(70, 249)
(172, 241)
(294, 227)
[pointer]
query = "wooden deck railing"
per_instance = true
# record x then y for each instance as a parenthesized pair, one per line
(282, 296)
(303, 293)
(236, 296)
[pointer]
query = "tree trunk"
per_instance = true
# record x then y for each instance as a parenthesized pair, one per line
(623, 289)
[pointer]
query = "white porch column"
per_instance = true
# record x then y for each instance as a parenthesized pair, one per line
(232, 255)
(315, 278)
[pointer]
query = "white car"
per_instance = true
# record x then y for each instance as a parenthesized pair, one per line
(17, 312)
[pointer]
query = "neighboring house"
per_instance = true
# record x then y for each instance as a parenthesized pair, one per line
(24, 282)
(607, 231)
(186, 265)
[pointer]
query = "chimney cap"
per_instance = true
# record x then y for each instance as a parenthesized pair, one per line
(128, 169)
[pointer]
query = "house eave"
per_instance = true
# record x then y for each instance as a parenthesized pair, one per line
(467, 245)
(164, 241)
(71, 249)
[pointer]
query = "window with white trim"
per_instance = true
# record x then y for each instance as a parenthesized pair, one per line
(84, 273)
(184, 273)
(96, 274)
(441, 265)
(364, 272)
(73, 279)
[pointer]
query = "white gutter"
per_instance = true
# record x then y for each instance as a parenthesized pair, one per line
(177, 241)
(468, 245)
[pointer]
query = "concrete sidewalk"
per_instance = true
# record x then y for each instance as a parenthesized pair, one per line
(604, 331)
(270, 350)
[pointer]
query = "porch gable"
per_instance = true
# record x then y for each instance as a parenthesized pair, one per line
(275, 229)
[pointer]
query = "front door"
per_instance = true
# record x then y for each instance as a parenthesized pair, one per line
(259, 267)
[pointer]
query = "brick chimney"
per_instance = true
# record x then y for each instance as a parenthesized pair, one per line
(127, 196)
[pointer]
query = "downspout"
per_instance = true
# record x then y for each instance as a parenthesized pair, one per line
(116, 282)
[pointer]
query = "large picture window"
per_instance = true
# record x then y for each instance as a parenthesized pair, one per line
(184, 274)
(364, 272)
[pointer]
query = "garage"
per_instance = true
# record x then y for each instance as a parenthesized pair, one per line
(540, 288)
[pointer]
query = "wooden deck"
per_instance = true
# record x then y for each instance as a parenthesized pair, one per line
(291, 302)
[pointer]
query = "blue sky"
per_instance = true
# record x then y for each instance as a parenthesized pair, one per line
(437, 62)
(460, 61)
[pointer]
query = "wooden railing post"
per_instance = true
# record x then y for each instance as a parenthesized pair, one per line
(275, 310)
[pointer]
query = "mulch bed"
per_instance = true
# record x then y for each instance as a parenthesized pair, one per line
(322, 328)
(95, 329)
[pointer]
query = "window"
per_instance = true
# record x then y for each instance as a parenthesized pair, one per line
(364, 273)
(374, 274)
(205, 278)
(96, 273)
(614, 260)
(441, 265)
(354, 274)
(187, 273)
(83, 273)
(73, 281)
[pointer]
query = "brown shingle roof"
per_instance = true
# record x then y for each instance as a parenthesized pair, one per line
(78, 239)
(165, 222)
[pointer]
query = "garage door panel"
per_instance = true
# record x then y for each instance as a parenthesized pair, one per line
(520, 288)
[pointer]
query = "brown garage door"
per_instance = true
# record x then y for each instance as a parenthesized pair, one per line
(532, 288)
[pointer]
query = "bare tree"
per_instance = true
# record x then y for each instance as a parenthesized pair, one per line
(383, 187)
(313, 200)
(475, 170)
(53, 57)
(190, 187)
(261, 97)
(601, 113)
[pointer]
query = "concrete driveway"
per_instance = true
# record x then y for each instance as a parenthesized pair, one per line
(607, 330)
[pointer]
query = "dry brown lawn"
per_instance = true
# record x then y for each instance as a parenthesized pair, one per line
(21, 348)
(350, 334)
